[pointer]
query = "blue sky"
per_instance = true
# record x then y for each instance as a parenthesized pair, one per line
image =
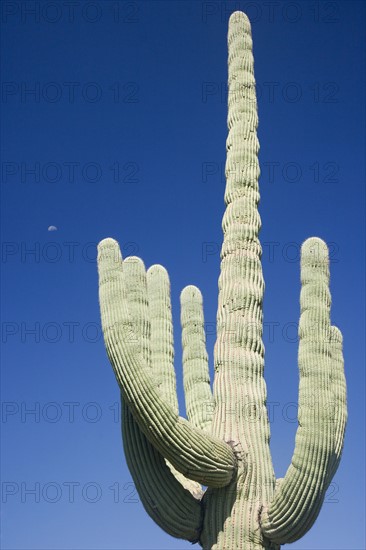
(124, 135)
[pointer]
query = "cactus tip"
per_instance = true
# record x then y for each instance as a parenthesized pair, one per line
(314, 250)
(189, 293)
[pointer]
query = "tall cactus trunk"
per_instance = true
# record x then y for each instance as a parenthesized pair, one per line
(224, 444)
(240, 415)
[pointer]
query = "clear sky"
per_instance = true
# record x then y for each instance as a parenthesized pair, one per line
(124, 135)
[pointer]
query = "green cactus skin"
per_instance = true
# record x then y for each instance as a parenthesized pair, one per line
(224, 444)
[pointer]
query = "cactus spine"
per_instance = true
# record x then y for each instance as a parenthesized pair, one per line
(224, 444)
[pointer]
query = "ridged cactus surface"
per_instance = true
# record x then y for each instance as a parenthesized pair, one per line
(224, 443)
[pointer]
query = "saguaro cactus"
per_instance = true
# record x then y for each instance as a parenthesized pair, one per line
(224, 444)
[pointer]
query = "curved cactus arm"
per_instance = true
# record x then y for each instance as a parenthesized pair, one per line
(148, 297)
(196, 378)
(322, 407)
(170, 505)
(337, 411)
(162, 350)
(162, 494)
(195, 454)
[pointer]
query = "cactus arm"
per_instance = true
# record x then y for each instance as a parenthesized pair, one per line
(339, 392)
(162, 346)
(196, 378)
(195, 454)
(322, 407)
(171, 506)
(148, 296)
(162, 350)
(168, 503)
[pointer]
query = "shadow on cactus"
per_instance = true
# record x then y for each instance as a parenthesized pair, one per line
(224, 444)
